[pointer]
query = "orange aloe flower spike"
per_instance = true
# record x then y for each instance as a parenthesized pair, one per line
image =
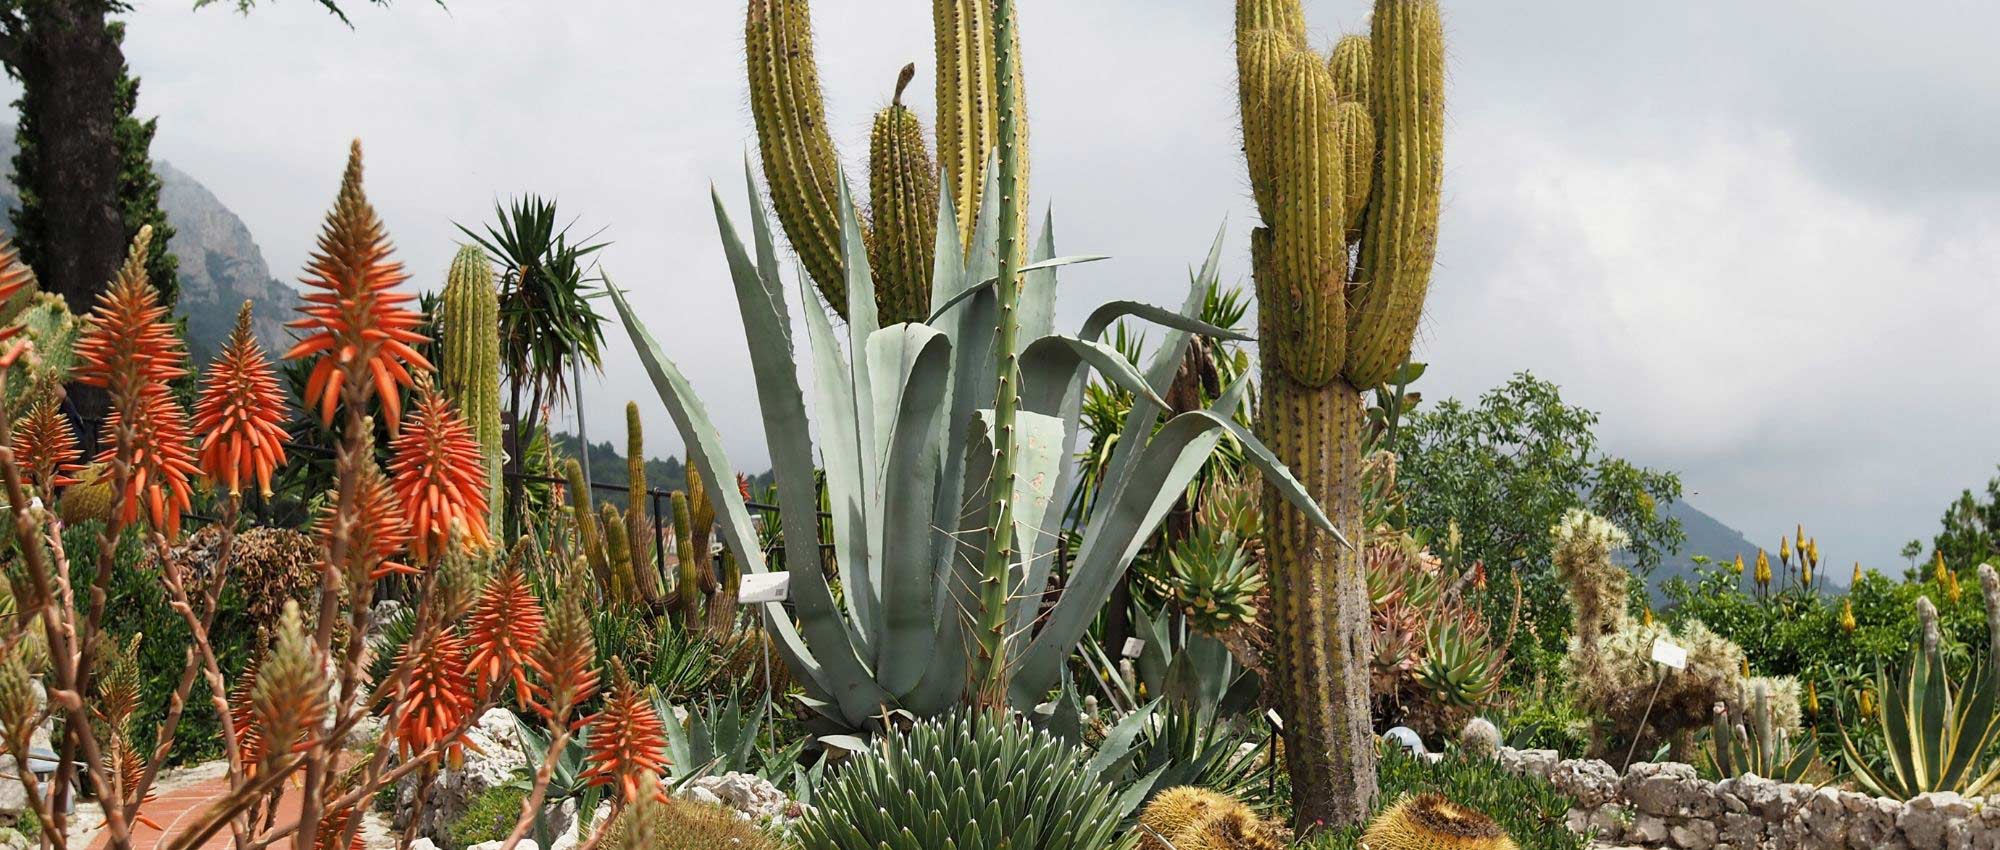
(437, 697)
(240, 414)
(628, 743)
(45, 445)
(505, 629)
(439, 476)
(357, 323)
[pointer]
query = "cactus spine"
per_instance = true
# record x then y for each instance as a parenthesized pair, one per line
(686, 602)
(803, 168)
(638, 526)
(470, 313)
(903, 197)
(1431, 822)
(1340, 149)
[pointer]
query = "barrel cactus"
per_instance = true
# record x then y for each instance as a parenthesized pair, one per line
(469, 311)
(1346, 183)
(1191, 818)
(973, 780)
(1431, 822)
(803, 167)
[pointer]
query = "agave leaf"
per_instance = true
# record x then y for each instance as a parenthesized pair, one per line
(987, 284)
(919, 358)
(840, 452)
(1037, 310)
(1117, 748)
(1048, 364)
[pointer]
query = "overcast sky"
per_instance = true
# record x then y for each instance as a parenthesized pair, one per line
(1759, 237)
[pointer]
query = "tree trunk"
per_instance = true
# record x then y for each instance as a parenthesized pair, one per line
(1318, 589)
(68, 63)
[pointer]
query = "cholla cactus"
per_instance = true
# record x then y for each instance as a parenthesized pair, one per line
(1619, 687)
(1597, 587)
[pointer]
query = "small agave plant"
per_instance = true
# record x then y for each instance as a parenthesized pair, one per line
(907, 441)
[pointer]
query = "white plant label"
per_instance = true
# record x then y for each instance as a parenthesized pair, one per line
(764, 587)
(1664, 651)
(1133, 646)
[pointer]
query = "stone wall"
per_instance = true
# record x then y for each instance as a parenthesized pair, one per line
(1668, 805)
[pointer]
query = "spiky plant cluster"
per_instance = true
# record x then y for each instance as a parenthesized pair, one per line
(469, 310)
(505, 630)
(803, 167)
(1584, 543)
(357, 317)
(1432, 822)
(439, 477)
(628, 742)
(1210, 579)
(45, 446)
(1345, 156)
(1191, 818)
(653, 823)
(240, 413)
(1435, 660)
(1620, 686)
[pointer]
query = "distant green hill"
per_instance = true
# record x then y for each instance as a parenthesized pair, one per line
(607, 466)
(1708, 536)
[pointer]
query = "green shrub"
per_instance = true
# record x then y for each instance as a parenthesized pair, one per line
(488, 817)
(1530, 809)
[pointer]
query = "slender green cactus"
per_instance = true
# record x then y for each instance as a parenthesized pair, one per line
(617, 552)
(1341, 149)
(470, 377)
(701, 525)
(588, 536)
(638, 526)
(686, 601)
(803, 167)
(722, 603)
(903, 198)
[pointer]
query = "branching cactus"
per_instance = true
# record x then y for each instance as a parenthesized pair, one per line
(803, 167)
(1342, 263)
(470, 374)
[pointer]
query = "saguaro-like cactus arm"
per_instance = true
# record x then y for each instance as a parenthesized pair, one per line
(801, 165)
(902, 200)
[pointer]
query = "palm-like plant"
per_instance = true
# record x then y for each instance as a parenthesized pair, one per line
(545, 318)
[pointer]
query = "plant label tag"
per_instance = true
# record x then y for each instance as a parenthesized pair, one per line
(1133, 646)
(764, 587)
(1664, 652)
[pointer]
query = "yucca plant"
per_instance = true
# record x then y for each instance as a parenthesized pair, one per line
(974, 780)
(1936, 734)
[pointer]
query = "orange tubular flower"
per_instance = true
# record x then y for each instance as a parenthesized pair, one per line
(129, 344)
(505, 627)
(358, 318)
(378, 532)
(240, 414)
(162, 461)
(45, 446)
(628, 743)
(440, 476)
(566, 661)
(437, 697)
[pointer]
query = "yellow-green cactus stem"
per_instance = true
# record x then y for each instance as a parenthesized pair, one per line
(687, 582)
(1400, 242)
(800, 163)
(470, 374)
(638, 525)
(701, 524)
(1349, 64)
(588, 537)
(1282, 15)
(1260, 55)
(903, 196)
(617, 551)
(1307, 287)
(1357, 152)
(968, 107)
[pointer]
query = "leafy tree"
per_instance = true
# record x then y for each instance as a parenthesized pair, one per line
(1971, 533)
(1506, 468)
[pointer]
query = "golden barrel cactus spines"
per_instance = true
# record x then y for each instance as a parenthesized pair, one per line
(1260, 57)
(1282, 15)
(1400, 242)
(1176, 810)
(1349, 63)
(1307, 287)
(469, 311)
(1234, 828)
(903, 197)
(1357, 152)
(1431, 822)
(800, 163)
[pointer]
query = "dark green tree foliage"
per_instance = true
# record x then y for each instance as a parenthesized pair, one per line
(1971, 533)
(138, 184)
(1506, 468)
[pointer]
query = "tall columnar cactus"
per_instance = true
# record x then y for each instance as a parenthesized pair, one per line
(1331, 167)
(639, 526)
(803, 167)
(470, 313)
(686, 601)
(589, 537)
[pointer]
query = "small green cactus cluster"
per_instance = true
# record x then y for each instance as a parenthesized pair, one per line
(1758, 733)
(469, 312)
(1479, 737)
(803, 167)
(1192, 818)
(657, 823)
(1346, 160)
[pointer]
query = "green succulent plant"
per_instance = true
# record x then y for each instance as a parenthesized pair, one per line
(1461, 666)
(1760, 743)
(1210, 579)
(1935, 734)
(973, 780)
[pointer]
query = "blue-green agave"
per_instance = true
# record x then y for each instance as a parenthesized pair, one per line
(905, 439)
